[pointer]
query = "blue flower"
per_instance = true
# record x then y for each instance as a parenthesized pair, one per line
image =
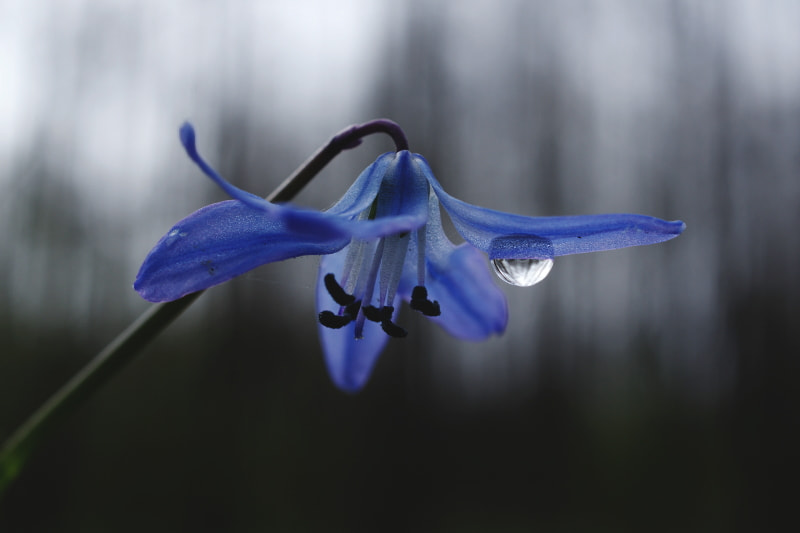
(381, 243)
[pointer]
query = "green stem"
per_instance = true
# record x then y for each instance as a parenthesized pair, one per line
(127, 344)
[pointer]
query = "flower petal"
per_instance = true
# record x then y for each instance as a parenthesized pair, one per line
(349, 360)
(404, 188)
(224, 240)
(364, 190)
(393, 188)
(187, 137)
(305, 220)
(508, 236)
(472, 306)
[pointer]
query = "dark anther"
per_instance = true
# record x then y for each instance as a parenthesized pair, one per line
(384, 316)
(334, 321)
(393, 330)
(330, 319)
(352, 309)
(419, 293)
(373, 313)
(337, 292)
(420, 302)
(379, 315)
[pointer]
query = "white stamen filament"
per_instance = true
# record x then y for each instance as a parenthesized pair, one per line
(394, 257)
(369, 287)
(421, 256)
(355, 256)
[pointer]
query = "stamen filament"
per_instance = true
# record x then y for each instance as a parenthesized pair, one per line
(393, 261)
(361, 269)
(355, 255)
(370, 287)
(421, 256)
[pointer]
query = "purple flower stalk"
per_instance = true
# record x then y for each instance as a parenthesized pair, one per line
(381, 243)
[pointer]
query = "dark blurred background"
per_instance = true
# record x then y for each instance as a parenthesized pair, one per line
(646, 389)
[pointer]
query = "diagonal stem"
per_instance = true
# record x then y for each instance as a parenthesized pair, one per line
(127, 344)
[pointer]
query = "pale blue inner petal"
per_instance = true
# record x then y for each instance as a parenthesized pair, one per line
(458, 277)
(363, 191)
(349, 360)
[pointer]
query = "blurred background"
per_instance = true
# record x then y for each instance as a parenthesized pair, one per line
(646, 389)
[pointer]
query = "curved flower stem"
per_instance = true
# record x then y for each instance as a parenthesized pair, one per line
(127, 344)
(347, 138)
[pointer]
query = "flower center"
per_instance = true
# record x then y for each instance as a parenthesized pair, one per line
(367, 269)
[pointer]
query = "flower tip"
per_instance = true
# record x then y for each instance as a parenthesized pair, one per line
(350, 388)
(678, 226)
(145, 293)
(186, 134)
(149, 291)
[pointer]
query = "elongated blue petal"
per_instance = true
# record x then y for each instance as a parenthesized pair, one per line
(349, 360)
(508, 236)
(224, 240)
(472, 306)
(187, 137)
(306, 220)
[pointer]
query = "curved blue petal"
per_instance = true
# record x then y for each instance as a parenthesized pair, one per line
(349, 360)
(508, 236)
(224, 240)
(472, 306)
(187, 137)
(404, 188)
(307, 220)
(395, 179)
(363, 191)
(393, 187)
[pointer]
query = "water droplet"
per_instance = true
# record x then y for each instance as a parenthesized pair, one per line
(522, 272)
